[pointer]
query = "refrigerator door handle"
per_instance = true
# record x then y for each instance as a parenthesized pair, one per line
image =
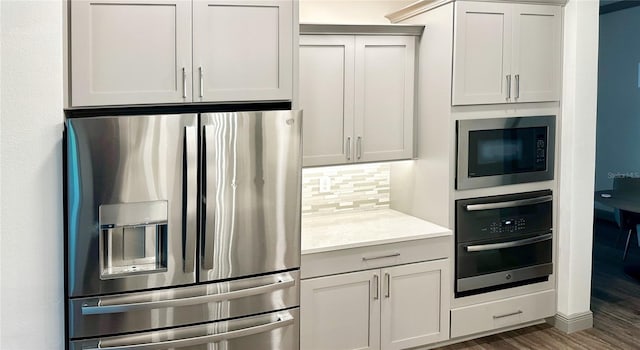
(121, 343)
(190, 191)
(104, 306)
(209, 213)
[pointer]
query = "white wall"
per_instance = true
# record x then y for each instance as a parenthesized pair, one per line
(31, 233)
(577, 157)
(349, 11)
(618, 127)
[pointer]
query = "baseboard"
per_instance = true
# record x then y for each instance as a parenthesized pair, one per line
(573, 323)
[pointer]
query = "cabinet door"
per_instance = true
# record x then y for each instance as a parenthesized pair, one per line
(536, 53)
(415, 304)
(129, 52)
(242, 50)
(384, 97)
(482, 53)
(340, 312)
(326, 97)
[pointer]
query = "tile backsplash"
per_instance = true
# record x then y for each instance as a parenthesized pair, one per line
(331, 190)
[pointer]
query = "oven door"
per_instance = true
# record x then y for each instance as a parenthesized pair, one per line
(495, 263)
(503, 151)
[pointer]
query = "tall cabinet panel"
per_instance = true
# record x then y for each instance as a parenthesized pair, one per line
(384, 97)
(482, 53)
(126, 52)
(242, 50)
(536, 52)
(326, 74)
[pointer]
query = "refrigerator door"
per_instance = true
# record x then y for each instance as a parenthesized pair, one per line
(131, 202)
(250, 212)
(272, 331)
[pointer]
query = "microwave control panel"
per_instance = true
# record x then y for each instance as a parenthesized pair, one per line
(541, 152)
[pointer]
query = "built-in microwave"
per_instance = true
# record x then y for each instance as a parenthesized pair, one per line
(505, 151)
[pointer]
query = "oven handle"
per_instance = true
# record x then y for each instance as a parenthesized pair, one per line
(494, 246)
(101, 308)
(283, 321)
(509, 204)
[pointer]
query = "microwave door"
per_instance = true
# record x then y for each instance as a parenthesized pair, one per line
(131, 199)
(250, 214)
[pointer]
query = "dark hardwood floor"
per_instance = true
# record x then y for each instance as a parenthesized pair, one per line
(615, 302)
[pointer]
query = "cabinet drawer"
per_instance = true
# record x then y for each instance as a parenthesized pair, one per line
(375, 256)
(503, 313)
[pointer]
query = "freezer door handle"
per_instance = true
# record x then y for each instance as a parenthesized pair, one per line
(209, 213)
(190, 193)
(107, 306)
(124, 343)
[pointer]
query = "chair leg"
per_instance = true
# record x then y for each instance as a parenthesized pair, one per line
(626, 247)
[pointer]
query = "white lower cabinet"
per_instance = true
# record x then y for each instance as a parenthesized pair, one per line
(396, 307)
(502, 313)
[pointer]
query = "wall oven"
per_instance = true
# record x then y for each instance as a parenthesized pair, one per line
(504, 151)
(503, 241)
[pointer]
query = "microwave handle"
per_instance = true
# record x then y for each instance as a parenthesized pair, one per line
(509, 204)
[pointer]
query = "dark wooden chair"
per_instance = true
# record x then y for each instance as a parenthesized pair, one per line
(626, 220)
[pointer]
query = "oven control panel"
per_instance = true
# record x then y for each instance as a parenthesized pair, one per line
(508, 225)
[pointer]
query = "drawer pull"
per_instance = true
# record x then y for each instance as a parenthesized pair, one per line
(377, 287)
(365, 258)
(507, 315)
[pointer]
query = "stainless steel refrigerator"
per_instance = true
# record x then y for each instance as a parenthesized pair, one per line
(183, 231)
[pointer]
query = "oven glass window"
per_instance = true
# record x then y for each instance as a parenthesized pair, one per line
(507, 151)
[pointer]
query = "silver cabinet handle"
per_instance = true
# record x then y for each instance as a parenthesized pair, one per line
(283, 321)
(190, 191)
(366, 258)
(201, 71)
(359, 147)
(348, 152)
(507, 315)
(508, 87)
(209, 182)
(184, 83)
(388, 285)
(517, 86)
(376, 295)
(121, 305)
(512, 244)
(509, 204)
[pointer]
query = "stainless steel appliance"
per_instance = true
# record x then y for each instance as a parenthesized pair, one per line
(503, 241)
(183, 231)
(504, 151)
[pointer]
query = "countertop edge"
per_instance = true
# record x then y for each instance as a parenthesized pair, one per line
(445, 233)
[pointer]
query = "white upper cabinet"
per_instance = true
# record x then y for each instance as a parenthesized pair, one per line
(126, 52)
(506, 53)
(242, 50)
(326, 96)
(140, 52)
(384, 97)
(357, 93)
(536, 53)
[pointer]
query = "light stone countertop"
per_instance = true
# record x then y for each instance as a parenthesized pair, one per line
(364, 228)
